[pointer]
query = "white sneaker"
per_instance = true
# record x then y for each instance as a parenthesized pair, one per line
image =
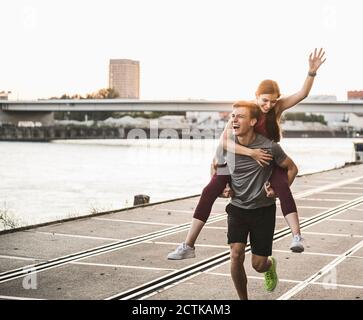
(296, 244)
(183, 251)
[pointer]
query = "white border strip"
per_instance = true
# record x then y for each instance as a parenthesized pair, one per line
(333, 234)
(250, 277)
(345, 220)
(121, 266)
(353, 188)
(137, 222)
(196, 245)
(326, 199)
(310, 207)
(307, 253)
(176, 210)
(18, 298)
(338, 285)
(345, 193)
(73, 235)
(20, 258)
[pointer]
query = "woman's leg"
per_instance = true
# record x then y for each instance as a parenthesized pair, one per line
(193, 233)
(201, 214)
(292, 221)
(280, 184)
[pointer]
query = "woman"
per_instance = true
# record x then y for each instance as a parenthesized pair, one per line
(272, 106)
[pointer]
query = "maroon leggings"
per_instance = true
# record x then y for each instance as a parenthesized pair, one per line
(215, 187)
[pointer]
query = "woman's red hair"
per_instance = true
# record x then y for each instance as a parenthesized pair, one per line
(268, 87)
(272, 122)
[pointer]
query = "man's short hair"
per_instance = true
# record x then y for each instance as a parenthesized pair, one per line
(250, 105)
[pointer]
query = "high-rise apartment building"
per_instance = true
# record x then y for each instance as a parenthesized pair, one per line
(124, 77)
(355, 95)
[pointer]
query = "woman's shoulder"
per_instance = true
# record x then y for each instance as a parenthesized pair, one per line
(278, 107)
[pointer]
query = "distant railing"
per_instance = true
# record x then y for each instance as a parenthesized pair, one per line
(15, 133)
(172, 106)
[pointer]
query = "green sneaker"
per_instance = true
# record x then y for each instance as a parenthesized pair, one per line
(271, 278)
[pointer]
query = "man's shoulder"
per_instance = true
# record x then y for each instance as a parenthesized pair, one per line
(262, 140)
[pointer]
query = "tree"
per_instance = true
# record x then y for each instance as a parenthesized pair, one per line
(104, 93)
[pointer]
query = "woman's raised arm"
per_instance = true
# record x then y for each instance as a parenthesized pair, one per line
(316, 59)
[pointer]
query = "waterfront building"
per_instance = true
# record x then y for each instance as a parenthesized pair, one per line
(124, 77)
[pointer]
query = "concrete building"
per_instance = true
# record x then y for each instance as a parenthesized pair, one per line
(4, 95)
(321, 97)
(124, 77)
(207, 120)
(330, 118)
(355, 119)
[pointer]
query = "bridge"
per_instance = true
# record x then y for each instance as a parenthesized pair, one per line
(42, 110)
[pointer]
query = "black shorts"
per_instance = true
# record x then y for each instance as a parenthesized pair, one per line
(258, 223)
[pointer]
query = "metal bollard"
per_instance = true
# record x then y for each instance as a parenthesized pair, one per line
(358, 148)
(141, 199)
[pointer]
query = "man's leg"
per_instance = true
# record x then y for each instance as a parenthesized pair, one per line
(266, 265)
(261, 238)
(260, 263)
(237, 234)
(237, 269)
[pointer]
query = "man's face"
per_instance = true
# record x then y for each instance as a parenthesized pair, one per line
(241, 121)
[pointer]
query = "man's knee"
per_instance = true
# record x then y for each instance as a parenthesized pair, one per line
(237, 254)
(259, 264)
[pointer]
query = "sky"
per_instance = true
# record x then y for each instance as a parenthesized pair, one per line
(188, 49)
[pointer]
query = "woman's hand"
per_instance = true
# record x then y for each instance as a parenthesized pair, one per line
(270, 193)
(316, 60)
(262, 157)
(227, 192)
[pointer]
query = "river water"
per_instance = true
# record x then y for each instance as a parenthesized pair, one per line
(42, 182)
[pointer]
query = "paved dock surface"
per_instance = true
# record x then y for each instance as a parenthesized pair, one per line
(122, 255)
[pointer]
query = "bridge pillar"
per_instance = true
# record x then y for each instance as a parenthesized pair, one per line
(14, 117)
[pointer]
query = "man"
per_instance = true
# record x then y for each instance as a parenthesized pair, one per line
(251, 212)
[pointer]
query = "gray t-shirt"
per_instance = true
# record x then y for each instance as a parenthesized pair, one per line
(248, 177)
